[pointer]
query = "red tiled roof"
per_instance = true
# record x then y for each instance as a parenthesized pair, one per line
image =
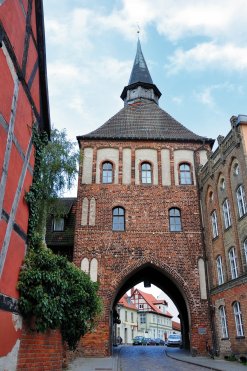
(176, 326)
(124, 301)
(150, 299)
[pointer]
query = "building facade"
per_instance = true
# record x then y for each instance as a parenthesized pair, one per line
(23, 104)
(128, 316)
(223, 182)
(138, 211)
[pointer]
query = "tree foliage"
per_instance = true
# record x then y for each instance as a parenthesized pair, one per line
(52, 290)
(57, 295)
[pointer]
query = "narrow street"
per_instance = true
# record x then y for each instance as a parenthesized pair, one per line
(151, 358)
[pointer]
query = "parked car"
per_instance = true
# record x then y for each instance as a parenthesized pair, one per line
(148, 341)
(138, 340)
(174, 340)
(159, 341)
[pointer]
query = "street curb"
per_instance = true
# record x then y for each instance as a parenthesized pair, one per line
(192, 363)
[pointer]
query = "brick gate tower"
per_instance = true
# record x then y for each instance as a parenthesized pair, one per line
(138, 215)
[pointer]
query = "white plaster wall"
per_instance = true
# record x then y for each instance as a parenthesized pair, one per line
(94, 270)
(203, 157)
(92, 211)
(87, 168)
(126, 166)
(85, 265)
(183, 155)
(107, 154)
(165, 166)
(9, 362)
(84, 211)
(149, 155)
(202, 277)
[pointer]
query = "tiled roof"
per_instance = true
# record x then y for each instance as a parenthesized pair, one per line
(150, 299)
(127, 303)
(144, 120)
(176, 326)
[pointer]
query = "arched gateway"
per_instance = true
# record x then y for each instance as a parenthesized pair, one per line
(138, 214)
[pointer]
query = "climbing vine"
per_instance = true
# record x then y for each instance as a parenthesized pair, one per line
(53, 291)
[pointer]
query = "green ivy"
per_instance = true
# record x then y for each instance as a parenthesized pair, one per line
(57, 295)
(53, 291)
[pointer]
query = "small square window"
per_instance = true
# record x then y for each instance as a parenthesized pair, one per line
(58, 224)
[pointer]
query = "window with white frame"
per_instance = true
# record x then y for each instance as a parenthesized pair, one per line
(233, 263)
(107, 173)
(220, 270)
(58, 224)
(185, 174)
(142, 317)
(141, 306)
(146, 173)
(241, 200)
(245, 250)
(238, 319)
(226, 213)
(215, 231)
(223, 322)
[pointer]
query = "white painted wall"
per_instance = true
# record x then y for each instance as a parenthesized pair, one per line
(107, 154)
(202, 276)
(87, 167)
(149, 155)
(126, 166)
(203, 157)
(165, 166)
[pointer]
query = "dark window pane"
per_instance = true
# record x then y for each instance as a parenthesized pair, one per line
(107, 172)
(118, 219)
(146, 174)
(175, 220)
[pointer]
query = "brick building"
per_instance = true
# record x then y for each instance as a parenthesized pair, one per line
(23, 103)
(223, 185)
(138, 214)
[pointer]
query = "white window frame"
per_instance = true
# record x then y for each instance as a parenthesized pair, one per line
(223, 322)
(226, 213)
(215, 231)
(233, 262)
(241, 201)
(58, 224)
(142, 317)
(238, 319)
(220, 270)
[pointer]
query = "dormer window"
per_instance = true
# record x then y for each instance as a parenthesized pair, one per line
(107, 173)
(58, 224)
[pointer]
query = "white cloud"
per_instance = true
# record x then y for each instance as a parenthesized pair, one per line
(177, 100)
(207, 95)
(210, 54)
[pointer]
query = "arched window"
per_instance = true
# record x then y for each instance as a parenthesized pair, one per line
(146, 173)
(118, 219)
(233, 263)
(236, 170)
(241, 200)
(223, 322)
(107, 173)
(214, 222)
(175, 220)
(222, 184)
(185, 174)
(245, 250)
(238, 319)
(220, 270)
(226, 213)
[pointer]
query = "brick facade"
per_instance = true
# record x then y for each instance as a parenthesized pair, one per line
(146, 245)
(219, 181)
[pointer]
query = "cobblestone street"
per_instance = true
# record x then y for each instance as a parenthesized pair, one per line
(151, 358)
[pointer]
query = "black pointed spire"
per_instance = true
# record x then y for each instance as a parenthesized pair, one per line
(140, 84)
(140, 72)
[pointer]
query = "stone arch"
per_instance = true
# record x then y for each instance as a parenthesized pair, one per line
(85, 265)
(94, 270)
(163, 276)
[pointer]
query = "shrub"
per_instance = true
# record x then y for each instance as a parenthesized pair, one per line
(57, 295)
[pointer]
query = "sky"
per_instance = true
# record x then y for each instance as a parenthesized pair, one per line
(196, 52)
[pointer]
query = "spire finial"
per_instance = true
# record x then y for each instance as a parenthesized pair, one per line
(138, 30)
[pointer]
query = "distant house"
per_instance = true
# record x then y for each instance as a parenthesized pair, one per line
(154, 320)
(60, 227)
(127, 312)
(176, 327)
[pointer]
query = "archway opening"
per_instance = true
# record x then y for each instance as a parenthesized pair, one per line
(151, 274)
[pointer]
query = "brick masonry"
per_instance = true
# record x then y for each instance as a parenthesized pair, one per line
(147, 241)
